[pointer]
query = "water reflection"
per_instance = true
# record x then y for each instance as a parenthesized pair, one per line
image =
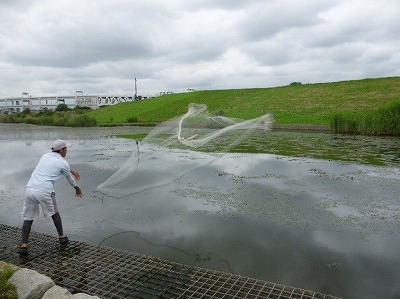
(323, 225)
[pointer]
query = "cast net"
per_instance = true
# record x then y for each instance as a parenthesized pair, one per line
(176, 147)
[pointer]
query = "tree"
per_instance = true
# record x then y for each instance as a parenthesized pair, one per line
(62, 107)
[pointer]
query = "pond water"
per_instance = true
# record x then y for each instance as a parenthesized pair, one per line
(309, 210)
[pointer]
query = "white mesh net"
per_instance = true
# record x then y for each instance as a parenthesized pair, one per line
(175, 147)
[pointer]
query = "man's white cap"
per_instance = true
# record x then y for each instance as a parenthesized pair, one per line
(58, 144)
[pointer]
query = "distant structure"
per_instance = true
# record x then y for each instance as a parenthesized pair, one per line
(135, 89)
(18, 104)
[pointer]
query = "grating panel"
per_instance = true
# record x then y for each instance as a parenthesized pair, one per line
(117, 274)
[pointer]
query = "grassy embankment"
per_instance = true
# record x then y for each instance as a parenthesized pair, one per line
(364, 101)
(348, 106)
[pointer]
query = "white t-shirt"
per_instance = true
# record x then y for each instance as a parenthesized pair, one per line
(49, 169)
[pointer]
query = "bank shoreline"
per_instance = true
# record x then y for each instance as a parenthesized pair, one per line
(277, 127)
(301, 127)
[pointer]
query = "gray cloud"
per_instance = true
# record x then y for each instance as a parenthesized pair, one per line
(57, 47)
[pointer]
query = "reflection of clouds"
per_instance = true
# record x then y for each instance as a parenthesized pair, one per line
(228, 240)
(385, 246)
(295, 168)
(345, 211)
(319, 194)
(256, 164)
(248, 164)
(375, 259)
(17, 162)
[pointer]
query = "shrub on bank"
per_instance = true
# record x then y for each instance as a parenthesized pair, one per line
(6, 119)
(384, 121)
(81, 120)
(51, 118)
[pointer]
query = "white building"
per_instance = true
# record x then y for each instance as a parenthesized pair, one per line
(15, 105)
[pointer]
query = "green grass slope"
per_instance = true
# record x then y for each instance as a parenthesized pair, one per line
(292, 104)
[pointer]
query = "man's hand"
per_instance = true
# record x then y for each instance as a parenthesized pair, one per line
(78, 192)
(76, 175)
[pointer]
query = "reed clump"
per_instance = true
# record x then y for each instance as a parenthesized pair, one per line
(383, 121)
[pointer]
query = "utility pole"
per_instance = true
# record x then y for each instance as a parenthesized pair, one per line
(22, 100)
(135, 89)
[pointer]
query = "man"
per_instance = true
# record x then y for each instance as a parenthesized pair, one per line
(40, 191)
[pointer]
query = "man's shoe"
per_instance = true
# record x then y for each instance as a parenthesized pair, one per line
(64, 240)
(23, 250)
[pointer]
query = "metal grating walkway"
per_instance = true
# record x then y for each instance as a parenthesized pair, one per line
(110, 273)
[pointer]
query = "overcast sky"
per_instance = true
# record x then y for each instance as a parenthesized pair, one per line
(56, 47)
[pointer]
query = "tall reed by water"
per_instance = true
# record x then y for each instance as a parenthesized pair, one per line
(384, 121)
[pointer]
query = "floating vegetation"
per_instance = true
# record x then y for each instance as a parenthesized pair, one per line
(318, 198)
